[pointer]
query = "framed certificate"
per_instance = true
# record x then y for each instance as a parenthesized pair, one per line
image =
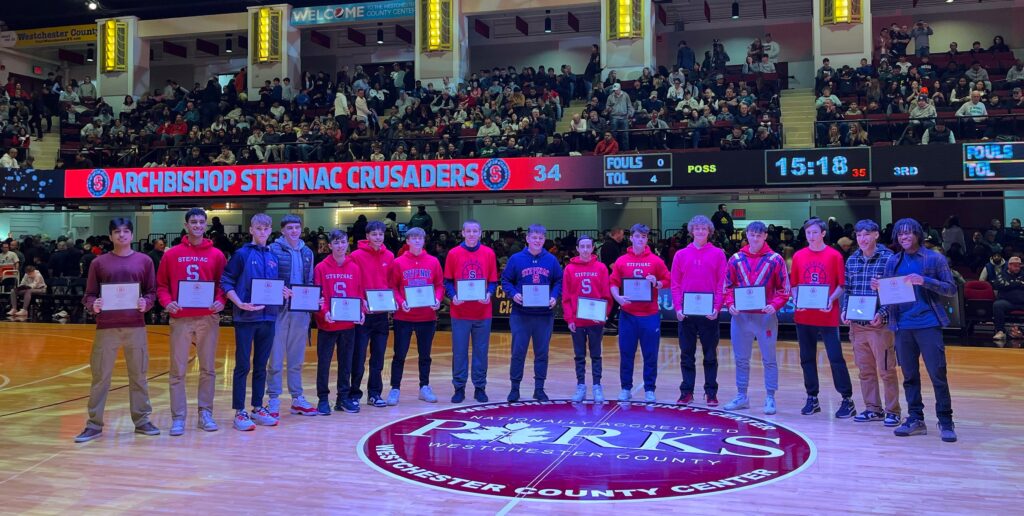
(536, 296)
(812, 297)
(120, 296)
(861, 308)
(893, 291)
(698, 303)
(471, 289)
(305, 298)
(749, 299)
(591, 309)
(346, 309)
(195, 294)
(636, 289)
(381, 300)
(420, 297)
(267, 292)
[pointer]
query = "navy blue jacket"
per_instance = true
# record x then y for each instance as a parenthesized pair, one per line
(249, 263)
(524, 268)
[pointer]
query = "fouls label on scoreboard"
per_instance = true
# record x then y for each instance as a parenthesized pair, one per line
(638, 171)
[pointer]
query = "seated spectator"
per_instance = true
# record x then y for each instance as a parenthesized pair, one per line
(971, 114)
(557, 147)
(32, 283)
(1015, 75)
(938, 134)
(826, 95)
(764, 66)
(995, 263)
(856, 136)
(226, 157)
(976, 73)
(10, 159)
(834, 137)
(657, 136)
(764, 139)
(736, 140)
(607, 145)
(998, 45)
(824, 74)
(1009, 286)
(976, 48)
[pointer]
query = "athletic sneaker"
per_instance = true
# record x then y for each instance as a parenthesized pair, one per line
(513, 395)
(480, 395)
(61, 314)
(581, 392)
(273, 407)
(323, 408)
(649, 397)
(911, 427)
(262, 416)
(177, 427)
(846, 409)
(302, 407)
(598, 394)
(12, 311)
(625, 395)
(377, 401)
(1000, 335)
(891, 419)
(243, 422)
(348, 405)
(393, 397)
(88, 434)
(769, 405)
(947, 432)
(540, 395)
(147, 429)
(711, 400)
(685, 399)
(21, 313)
(868, 416)
(459, 396)
(426, 394)
(739, 402)
(206, 422)
(811, 407)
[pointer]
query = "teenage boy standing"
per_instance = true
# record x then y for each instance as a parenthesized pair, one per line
(374, 261)
(415, 268)
(337, 276)
(531, 266)
(585, 277)
(120, 328)
(639, 321)
(193, 260)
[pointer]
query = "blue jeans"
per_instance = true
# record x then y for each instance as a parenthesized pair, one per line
(527, 327)
(690, 329)
(620, 128)
(373, 333)
(643, 330)
(807, 337)
(926, 343)
(403, 338)
(253, 341)
(583, 339)
(326, 343)
(464, 330)
(922, 51)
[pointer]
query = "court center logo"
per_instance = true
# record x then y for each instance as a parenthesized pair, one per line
(496, 174)
(560, 451)
(98, 183)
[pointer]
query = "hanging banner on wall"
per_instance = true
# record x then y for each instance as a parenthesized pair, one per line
(48, 36)
(346, 13)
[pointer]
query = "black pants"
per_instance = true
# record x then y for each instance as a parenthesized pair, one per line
(403, 338)
(999, 309)
(690, 329)
(925, 343)
(372, 334)
(327, 342)
(583, 339)
(253, 340)
(807, 337)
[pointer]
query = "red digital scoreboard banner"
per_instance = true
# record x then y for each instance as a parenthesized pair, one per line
(359, 178)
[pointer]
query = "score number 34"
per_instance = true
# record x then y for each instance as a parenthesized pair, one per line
(802, 167)
(545, 174)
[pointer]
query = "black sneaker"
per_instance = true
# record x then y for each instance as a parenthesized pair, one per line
(147, 429)
(846, 409)
(513, 395)
(323, 408)
(480, 395)
(947, 432)
(891, 419)
(868, 416)
(911, 427)
(459, 396)
(540, 395)
(377, 401)
(811, 407)
(348, 405)
(88, 434)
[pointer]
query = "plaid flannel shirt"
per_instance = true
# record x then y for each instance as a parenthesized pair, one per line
(860, 271)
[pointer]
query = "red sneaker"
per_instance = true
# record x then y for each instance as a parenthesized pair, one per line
(711, 400)
(685, 399)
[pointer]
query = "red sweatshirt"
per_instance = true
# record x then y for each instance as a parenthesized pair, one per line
(632, 265)
(335, 280)
(460, 264)
(823, 267)
(373, 265)
(411, 270)
(698, 270)
(187, 262)
(584, 279)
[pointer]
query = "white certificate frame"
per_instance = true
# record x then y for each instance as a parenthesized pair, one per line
(692, 301)
(903, 293)
(536, 296)
(375, 296)
(749, 299)
(307, 300)
(633, 286)
(352, 309)
(186, 286)
(861, 308)
(120, 296)
(419, 297)
(807, 295)
(588, 306)
(462, 285)
(270, 294)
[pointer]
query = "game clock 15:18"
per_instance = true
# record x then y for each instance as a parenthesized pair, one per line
(818, 166)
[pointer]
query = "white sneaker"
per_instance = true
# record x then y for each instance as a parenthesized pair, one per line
(273, 407)
(581, 392)
(243, 422)
(206, 422)
(598, 394)
(625, 395)
(12, 311)
(302, 407)
(999, 336)
(739, 402)
(649, 397)
(177, 427)
(427, 394)
(393, 397)
(769, 405)
(63, 314)
(262, 416)
(21, 313)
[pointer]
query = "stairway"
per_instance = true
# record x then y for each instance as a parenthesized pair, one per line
(46, 151)
(798, 116)
(563, 126)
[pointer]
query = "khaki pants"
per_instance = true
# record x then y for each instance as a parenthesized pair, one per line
(203, 331)
(136, 357)
(875, 355)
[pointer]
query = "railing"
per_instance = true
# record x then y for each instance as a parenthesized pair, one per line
(900, 129)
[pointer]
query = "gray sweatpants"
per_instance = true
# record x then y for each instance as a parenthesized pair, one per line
(746, 327)
(289, 341)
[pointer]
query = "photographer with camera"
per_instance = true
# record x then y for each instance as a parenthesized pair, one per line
(920, 34)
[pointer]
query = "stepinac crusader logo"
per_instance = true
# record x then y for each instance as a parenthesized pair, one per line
(98, 183)
(496, 174)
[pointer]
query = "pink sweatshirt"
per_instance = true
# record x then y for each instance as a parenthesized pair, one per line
(698, 270)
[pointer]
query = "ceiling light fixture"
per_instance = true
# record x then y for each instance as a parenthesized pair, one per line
(92, 5)
(380, 33)
(547, 21)
(735, 10)
(90, 55)
(228, 44)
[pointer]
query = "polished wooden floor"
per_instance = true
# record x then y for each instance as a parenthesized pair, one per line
(309, 465)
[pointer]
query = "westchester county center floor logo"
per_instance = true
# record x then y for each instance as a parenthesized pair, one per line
(562, 451)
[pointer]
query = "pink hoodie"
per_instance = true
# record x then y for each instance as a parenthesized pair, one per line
(698, 270)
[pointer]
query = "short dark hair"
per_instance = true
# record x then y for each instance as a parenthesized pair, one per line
(290, 218)
(907, 224)
(471, 221)
(815, 221)
(584, 237)
(643, 229)
(757, 227)
(375, 225)
(336, 235)
(118, 222)
(720, 206)
(195, 212)
(865, 225)
(536, 228)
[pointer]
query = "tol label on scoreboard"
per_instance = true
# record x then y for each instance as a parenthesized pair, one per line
(638, 171)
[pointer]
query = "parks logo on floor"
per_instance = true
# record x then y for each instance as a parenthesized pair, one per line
(559, 450)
